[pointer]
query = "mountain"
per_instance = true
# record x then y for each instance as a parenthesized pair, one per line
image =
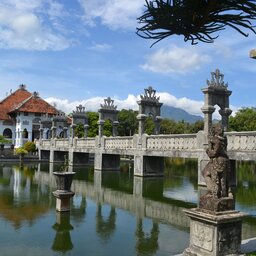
(178, 114)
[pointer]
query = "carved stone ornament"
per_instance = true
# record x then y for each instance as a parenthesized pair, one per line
(108, 104)
(79, 109)
(217, 80)
(150, 94)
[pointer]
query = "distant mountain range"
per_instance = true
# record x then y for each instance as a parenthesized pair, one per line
(178, 114)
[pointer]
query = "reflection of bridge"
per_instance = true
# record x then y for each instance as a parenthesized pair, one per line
(148, 151)
(135, 203)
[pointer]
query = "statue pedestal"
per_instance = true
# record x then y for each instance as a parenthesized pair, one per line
(63, 200)
(214, 233)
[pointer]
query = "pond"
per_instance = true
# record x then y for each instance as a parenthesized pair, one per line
(112, 213)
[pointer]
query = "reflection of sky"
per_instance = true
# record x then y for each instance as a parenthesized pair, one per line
(185, 192)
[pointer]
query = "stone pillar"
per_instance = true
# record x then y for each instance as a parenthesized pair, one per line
(225, 113)
(157, 125)
(86, 127)
(41, 130)
(148, 166)
(141, 118)
(65, 132)
(101, 124)
(115, 125)
(53, 129)
(207, 110)
(73, 127)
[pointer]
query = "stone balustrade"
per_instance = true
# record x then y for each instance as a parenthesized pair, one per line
(85, 143)
(118, 143)
(172, 142)
(244, 141)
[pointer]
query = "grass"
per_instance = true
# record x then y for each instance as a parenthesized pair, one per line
(251, 254)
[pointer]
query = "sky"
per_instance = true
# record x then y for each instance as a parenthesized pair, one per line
(81, 51)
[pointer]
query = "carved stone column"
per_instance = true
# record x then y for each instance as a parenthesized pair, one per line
(208, 111)
(86, 127)
(225, 113)
(158, 124)
(73, 127)
(65, 132)
(41, 133)
(141, 118)
(115, 125)
(53, 129)
(101, 124)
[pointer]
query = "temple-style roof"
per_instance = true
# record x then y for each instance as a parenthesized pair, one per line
(24, 101)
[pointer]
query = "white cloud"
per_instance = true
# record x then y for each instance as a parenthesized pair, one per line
(100, 47)
(115, 14)
(176, 60)
(93, 104)
(26, 25)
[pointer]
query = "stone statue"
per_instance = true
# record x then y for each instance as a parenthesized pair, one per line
(216, 173)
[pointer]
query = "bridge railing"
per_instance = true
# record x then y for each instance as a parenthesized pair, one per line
(123, 142)
(85, 143)
(45, 143)
(61, 143)
(244, 141)
(172, 142)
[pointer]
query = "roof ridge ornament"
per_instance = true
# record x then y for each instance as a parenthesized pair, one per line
(22, 87)
(217, 80)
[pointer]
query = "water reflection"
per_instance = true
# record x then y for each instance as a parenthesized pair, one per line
(146, 242)
(62, 241)
(105, 225)
(109, 208)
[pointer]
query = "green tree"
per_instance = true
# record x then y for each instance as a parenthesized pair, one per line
(107, 128)
(244, 120)
(149, 126)
(128, 123)
(30, 146)
(93, 118)
(79, 130)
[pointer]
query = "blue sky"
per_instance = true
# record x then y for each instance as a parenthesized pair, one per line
(82, 51)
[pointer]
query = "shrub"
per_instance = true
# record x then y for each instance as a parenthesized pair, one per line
(30, 146)
(21, 151)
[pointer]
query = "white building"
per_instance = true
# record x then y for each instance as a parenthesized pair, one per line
(20, 115)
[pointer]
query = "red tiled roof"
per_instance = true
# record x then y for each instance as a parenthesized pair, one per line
(23, 101)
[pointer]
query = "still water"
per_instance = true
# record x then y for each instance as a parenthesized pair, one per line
(112, 213)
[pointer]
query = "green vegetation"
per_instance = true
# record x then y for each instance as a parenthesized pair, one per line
(3, 140)
(30, 146)
(244, 120)
(251, 254)
(21, 151)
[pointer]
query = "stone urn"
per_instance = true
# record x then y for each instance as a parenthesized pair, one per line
(64, 180)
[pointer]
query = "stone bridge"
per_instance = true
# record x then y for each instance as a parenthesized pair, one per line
(148, 152)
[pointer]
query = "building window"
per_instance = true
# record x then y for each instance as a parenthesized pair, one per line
(37, 114)
(7, 133)
(25, 134)
(25, 113)
(25, 122)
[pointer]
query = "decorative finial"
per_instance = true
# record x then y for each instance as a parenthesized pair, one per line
(217, 80)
